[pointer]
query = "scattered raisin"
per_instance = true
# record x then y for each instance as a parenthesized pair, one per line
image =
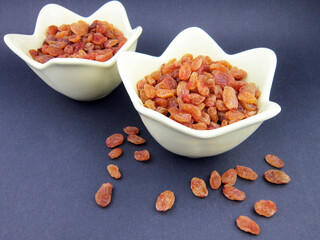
(135, 139)
(265, 208)
(115, 153)
(114, 140)
(274, 161)
(141, 156)
(114, 171)
(104, 194)
(215, 180)
(165, 201)
(131, 130)
(248, 225)
(246, 173)
(229, 177)
(198, 187)
(233, 193)
(276, 176)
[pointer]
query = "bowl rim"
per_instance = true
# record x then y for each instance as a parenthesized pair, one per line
(136, 32)
(272, 108)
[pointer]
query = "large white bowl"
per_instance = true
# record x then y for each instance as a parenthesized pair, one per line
(260, 64)
(79, 79)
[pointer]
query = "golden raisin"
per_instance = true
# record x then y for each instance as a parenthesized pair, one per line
(198, 187)
(165, 201)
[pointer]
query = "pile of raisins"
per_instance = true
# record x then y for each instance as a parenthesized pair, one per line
(99, 41)
(200, 93)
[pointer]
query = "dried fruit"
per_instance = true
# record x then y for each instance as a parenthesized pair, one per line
(165, 201)
(104, 194)
(233, 193)
(135, 139)
(229, 177)
(179, 115)
(114, 140)
(274, 161)
(215, 180)
(141, 156)
(199, 93)
(230, 98)
(115, 153)
(276, 176)
(99, 41)
(246, 173)
(131, 130)
(114, 171)
(198, 187)
(248, 225)
(266, 208)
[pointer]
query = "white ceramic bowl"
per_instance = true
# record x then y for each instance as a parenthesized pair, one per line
(79, 79)
(260, 64)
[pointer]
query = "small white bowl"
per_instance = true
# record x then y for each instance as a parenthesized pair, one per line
(79, 79)
(260, 64)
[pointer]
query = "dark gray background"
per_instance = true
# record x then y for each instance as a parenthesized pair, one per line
(53, 156)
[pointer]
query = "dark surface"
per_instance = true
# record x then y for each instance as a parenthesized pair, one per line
(53, 157)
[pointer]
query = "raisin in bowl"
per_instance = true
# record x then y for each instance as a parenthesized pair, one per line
(259, 64)
(77, 78)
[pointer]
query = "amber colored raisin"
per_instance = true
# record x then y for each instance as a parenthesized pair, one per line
(141, 156)
(162, 110)
(199, 126)
(115, 153)
(114, 171)
(131, 130)
(229, 177)
(135, 139)
(80, 28)
(274, 161)
(276, 176)
(150, 104)
(202, 87)
(233, 193)
(213, 125)
(193, 110)
(238, 73)
(266, 208)
(185, 71)
(114, 140)
(193, 98)
(234, 115)
(196, 63)
(141, 83)
(179, 115)
(230, 98)
(246, 173)
(165, 201)
(161, 102)
(215, 180)
(182, 89)
(221, 106)
(104, 194)
(212, 111)
(192, 83)
(150, 91)
(198, 187)
(165, 93)
(248, 225)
